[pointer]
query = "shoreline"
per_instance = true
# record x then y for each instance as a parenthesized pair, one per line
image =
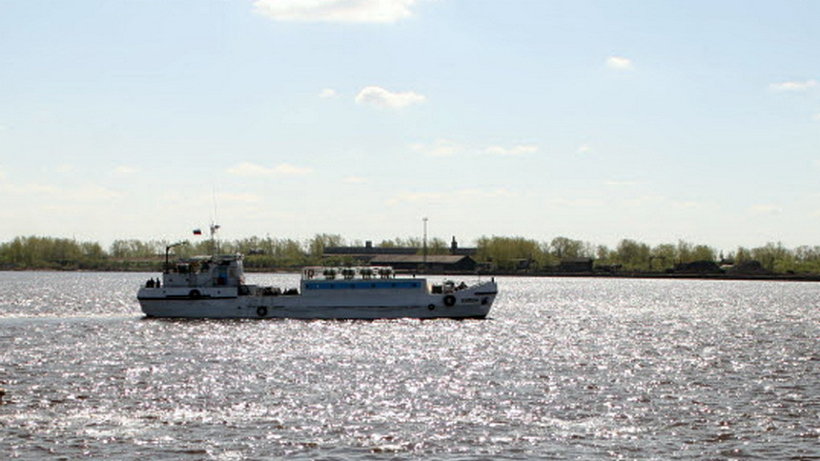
(613, 275)
(746, 277)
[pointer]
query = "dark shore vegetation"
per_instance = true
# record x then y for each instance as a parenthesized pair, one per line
(498, 254)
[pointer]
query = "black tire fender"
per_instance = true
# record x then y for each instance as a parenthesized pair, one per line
(262, 311)
(449, 300)
(195, 294)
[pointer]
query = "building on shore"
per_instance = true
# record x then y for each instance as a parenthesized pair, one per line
(408, 258)
(576, 265)
(433, 263)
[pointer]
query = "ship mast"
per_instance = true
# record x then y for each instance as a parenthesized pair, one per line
(214, 226)
(214, 249)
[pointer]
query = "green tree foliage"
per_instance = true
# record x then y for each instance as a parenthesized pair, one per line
(252, 245)
(50, 253)
(702, 253)
(280, 253)
(807, 259)
(684, 254)
(663, 256)
(605, 256)
(633, 255)
(319, 242)
(742, 255)
(92, 251)
(775, 257)
(437, 246)
(398, 242)
(511, 253)
(136, 249)
(565, 248)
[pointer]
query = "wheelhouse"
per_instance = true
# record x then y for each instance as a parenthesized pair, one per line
(206, 271)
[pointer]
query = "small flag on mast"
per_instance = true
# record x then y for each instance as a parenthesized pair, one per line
(197, 231)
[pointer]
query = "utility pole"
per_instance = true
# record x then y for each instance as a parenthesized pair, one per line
(424, 250)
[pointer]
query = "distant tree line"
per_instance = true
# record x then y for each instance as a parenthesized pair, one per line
(506, 254)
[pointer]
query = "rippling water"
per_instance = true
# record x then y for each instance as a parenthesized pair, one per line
(564, 368)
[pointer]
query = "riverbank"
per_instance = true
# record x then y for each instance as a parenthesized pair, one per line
(653, 275)
(154, 268)
(642, 275)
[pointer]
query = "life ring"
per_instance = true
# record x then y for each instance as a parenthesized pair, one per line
(262, 311)
(431, 307)
(449, 300)
(195, 294)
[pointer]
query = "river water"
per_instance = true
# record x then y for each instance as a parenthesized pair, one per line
(563, 368)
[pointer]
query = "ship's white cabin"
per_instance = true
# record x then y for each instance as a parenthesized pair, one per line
(205, 271)
(347, 273)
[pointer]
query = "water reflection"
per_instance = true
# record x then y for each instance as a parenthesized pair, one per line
(564, 368)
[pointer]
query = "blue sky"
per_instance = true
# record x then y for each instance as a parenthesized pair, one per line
(595, 120)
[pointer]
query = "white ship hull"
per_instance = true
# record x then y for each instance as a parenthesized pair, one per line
(400, 298)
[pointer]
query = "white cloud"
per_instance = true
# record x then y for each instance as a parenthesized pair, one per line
(354, 180)
(440, 148)
(125, 169)
(327, 93)
(2, 172)
(645, 201)
(482, 193)
(242, 198)
(619, 63)
(616, 183)
(91, 194)
(414, 197)
(341, 11)
(86, 193)
(447, 148)
(765, 209)
(379, 97)
(688, 204)
(793, 86)
(252, 170)
(572, 203)
(584, 149)
(816, 117)
(510, 151)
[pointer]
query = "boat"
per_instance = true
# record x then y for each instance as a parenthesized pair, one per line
(214, 287)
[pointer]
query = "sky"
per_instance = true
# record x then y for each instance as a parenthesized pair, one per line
(656, 121)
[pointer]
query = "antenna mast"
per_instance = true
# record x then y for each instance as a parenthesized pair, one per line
(214, 226)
